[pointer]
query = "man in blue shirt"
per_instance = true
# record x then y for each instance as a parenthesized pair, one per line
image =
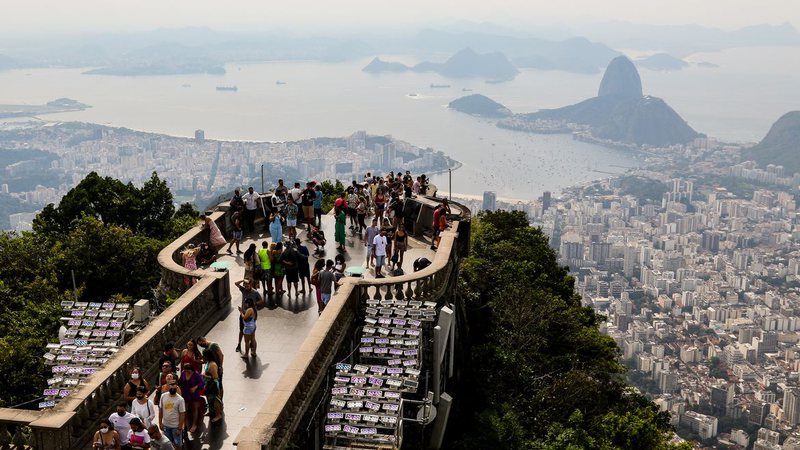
(318, 205)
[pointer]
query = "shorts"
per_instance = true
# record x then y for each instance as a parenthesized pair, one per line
(291, 222)
(173, 436)
(241, 324)
(266, 274)
(308, 212)
(326, 298)
(380, 260)
(351, 212)
(292, 276)
(318, 212)
(237, 235)
(370, 249)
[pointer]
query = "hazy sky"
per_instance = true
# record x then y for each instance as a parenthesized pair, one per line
(38, 16)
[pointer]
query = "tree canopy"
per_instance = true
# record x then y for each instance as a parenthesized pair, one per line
(109, 234)
(539, 374)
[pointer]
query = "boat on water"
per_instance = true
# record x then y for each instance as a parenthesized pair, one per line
(439, 86)
(279, 82)
(228, 88)
(412, 94)
(187, 85)
(466, 90)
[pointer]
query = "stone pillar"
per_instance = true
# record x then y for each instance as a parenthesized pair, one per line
(53, 431)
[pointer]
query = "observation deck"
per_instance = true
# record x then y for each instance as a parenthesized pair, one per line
(273, 399)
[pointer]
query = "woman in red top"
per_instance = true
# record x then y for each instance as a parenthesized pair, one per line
(380, 205)
(191, 355)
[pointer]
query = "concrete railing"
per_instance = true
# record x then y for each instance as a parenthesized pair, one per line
(297, 389)
(73, 421)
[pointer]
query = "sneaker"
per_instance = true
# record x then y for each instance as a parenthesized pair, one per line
(433, 247)
(238, 349)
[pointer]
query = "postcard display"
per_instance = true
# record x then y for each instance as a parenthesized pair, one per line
(95, 332)
(366, 401)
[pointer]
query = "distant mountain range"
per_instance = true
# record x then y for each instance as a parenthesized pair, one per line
(781, 145)
(465, 64)
(683, 40)
(479, 105)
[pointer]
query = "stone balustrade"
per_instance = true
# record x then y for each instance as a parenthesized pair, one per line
(73, 421)
(299, 388)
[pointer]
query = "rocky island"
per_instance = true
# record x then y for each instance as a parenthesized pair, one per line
(465, 64)
(619, 115)
(781, 145)
(479, 105)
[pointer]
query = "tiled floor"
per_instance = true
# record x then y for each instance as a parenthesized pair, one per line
(281, 329)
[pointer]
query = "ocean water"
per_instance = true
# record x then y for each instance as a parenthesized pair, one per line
(735, 102)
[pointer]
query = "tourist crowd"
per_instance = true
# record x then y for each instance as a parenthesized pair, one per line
(189, 386)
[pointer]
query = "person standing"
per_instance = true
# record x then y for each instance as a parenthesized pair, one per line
(296, 194)
(121, 421)
(276, 227)
(219, 357)
(307, 198)
(361, 214)
(318, 205)
(400, 245)
(319, 266)
(266, 268)
(327, 281)
(341, 220)
(250, 209)
(380, 252)
(352, 201)
(236, 234)
(191, 384)
(157, 440)
(213, 391)
(143, 407)
(136, 380)
(291, 219)
(252, 265)
(237, 202)
(191, 355)
(172, 416)
(302, 265)
(106, 438)
(369, 240)
(290, 265)
(249, 315)
(138, 438)
(248, 293)
(278, 269)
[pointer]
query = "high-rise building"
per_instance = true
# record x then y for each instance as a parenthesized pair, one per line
(489, 201)
(791, 406)
(200, 136)
(546, 201)
(705, 426)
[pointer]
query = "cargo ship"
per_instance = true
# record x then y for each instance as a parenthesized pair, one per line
(439, 86)
(227, 88)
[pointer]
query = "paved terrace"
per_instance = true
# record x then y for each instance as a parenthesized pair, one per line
(281, 329)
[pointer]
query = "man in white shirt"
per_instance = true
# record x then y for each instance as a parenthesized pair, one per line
(250, 207)
(379, 244)
(121, 420)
